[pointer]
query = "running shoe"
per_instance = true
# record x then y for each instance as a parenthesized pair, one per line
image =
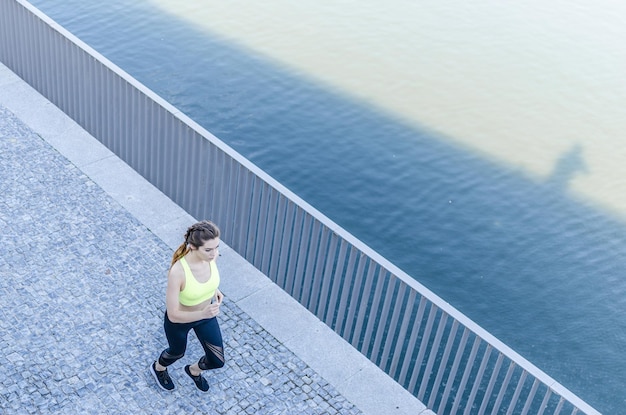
(162, 378)
(200, 382)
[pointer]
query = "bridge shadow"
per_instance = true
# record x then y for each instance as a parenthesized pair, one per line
(517, 256)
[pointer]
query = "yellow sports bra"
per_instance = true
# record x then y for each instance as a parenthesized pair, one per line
(196, 292)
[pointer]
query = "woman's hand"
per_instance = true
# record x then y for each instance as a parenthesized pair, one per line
(219, 297)
(211, 310)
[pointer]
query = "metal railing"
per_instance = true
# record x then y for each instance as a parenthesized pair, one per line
(438, 354)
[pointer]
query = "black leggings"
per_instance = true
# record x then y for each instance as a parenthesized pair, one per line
(209, 334)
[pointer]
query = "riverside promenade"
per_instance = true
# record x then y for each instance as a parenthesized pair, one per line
(85, 244)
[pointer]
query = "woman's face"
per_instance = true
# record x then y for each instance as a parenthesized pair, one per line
(208, 251)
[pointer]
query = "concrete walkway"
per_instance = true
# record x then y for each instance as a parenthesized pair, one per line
(85, 243)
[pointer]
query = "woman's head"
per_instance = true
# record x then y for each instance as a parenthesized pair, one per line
(201, 232)
(197, 236)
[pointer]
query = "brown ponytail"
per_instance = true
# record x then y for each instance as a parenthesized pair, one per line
(182, 250)
(196, 235)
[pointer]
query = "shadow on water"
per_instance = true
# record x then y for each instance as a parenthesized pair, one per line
(567, 167)
(535, 267)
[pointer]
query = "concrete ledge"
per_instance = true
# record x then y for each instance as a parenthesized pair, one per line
(359, 380)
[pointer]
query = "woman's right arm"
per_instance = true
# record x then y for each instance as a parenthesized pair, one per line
(175, 280)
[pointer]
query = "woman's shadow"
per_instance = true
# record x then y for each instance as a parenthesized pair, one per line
(570, 164)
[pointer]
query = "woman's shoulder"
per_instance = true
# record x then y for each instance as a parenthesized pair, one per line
(177, 271)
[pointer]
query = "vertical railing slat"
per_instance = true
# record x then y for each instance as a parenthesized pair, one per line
(393, 324)
(516, 394)
(381, 331)
(490, 386)
(285, 245)
(466, 374)
(264, 223)
(453, 371)
(530, 398)
(337, 284)
(308, 274)
(544, 402)
(432, 314)
(296, 241)
(431, 360)
(322, 309)
(365, 309)
(253, 215)
(503, 387)
(478, 381)
(443, 364)
(376, 315)
(348, 280)
(412, 341)
(317, 274)
(270, 233)
(306, 239)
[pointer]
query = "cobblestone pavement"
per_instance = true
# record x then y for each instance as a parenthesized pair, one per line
(82, 287)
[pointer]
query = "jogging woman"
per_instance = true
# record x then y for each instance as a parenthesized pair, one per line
(193, 301)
